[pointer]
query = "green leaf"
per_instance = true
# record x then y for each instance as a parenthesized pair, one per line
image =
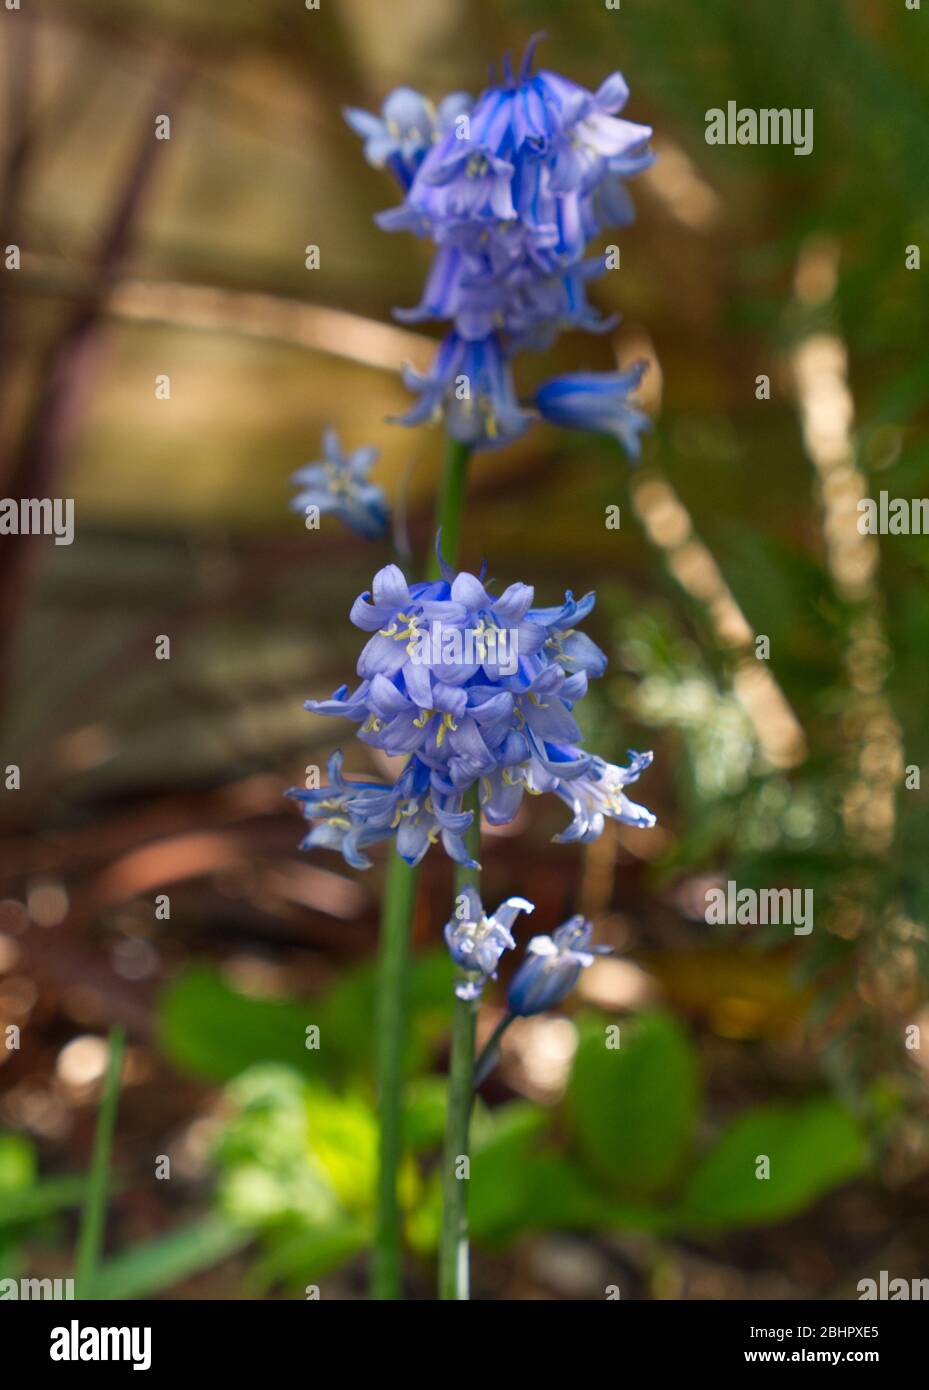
(342, 1137)
(811, 1148)
(345, 1014)
(426, 1105)
(162, 1263)
(41, 1200)
(562, 1197)
(515, 1188)
(295, 1149)
(17, 1164)
(298, 1164)
(303, 1256)
(22, 1197)
(208, 1029)
(634, 1107)
(499, 1199)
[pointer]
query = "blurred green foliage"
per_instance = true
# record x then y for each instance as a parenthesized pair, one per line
(28, 1203)
(296, 1157)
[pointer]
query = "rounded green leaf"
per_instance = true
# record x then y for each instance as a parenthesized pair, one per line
(774, 1161)
(634, 1105)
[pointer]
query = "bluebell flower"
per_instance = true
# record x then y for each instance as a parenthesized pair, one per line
(597, 401)
(474, 688)
(533, 149)
(405, 130)
(417, 811)
(338, 484)
(476, 942)
(571, 649)
(420, 810)
(329, 806)
(597, 795)
(454, 733)
(540, 306)
(511, 193)
(469, 389)
(590, 786)
(551, 967)
(488, 286)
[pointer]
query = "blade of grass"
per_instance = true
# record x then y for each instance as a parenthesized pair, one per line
(161, 1263)
(93, 1219)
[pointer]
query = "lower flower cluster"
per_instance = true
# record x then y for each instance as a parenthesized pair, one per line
(475, 689)
(550, 966)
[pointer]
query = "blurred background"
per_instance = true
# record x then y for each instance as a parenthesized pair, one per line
(185, 257)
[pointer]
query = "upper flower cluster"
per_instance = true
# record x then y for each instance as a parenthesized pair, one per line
(511, 191)
(474, 688)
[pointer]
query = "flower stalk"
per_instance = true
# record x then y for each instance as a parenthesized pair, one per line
(450, 504)
(454, 1254)
(392, 999)
(491, 1051)
(393, 965)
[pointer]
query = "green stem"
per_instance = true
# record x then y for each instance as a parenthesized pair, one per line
(392, 992)
(488, 1058)
(90, 1240)
(394, 953)
(453, 1253)
(450, 504)
(454, 1279)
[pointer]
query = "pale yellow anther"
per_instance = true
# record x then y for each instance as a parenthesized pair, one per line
(447, 723)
